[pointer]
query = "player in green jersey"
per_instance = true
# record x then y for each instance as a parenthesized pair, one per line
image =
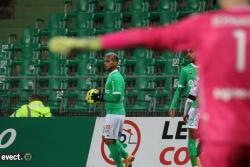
(191, 117)
(186, 81)
(113, 98)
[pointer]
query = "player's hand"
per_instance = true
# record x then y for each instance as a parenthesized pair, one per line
(97, 97)
(172, 112)
(71, 46)
(65, 45)
(185, 118)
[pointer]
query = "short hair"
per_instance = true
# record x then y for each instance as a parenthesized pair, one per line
(113, 54)
(35, 97)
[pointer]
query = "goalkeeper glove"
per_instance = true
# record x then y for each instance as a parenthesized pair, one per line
(69, 45)
(97, 97)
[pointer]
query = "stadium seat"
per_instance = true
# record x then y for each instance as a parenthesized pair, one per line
(56, 26)
(55, 100)
(108, 22)
(113, 5)
(139, 6)
(196, 5)
(150, 81)
(167, 6)
(163, 84)
(167, 17)
(14, 100)
(27, 37)
(140, 102)
(162, 101)
(83, 25)
(112, 21)
(172, 63)
(140, 19)
(87, 6)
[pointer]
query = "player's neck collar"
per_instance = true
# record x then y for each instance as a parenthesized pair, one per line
(195, 66)
(113, 71)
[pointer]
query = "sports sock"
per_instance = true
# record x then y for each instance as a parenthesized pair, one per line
(116, 155)
(123, 152)
(192, 150)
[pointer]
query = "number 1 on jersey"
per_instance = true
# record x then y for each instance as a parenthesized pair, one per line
(241, 39)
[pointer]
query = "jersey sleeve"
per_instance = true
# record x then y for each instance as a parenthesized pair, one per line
(176, 98)
(182, 79)
(180, 36)
(178, 91)
(117, 89)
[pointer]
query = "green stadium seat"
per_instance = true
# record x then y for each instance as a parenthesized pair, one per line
(172, 63)
(76, 102)
(163, 84)
(113, 5)
(85, 20)
(14, 101)
(196, 5)
(112, 21)
(140, 19)
(26, 84)
(87, 6)
(55, 100)
(140, 102)
(108, 22)
(86, 65)
(167, 17)
(143, 61)
(83, 24)
(167, 5)
(27, 37)
(3, 48)
(56, 26)
(4, 65)
(162, 102)
(139, 6)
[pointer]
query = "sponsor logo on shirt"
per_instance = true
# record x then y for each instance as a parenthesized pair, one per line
(227, 94)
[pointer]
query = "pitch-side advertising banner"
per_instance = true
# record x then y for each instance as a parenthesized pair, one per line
(45, 142)
(155, 142)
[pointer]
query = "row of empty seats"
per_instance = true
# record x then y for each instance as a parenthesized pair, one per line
(151, 77)
(142, 5)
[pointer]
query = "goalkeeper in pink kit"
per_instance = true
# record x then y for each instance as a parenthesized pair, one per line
(221, 41)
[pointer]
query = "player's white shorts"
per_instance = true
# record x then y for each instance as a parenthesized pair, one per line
(193, 118)
(113, 126)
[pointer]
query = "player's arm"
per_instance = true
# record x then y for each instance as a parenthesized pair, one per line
(181, 84)
(114, 96)
(180, 36)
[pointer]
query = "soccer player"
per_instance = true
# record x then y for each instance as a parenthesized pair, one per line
(221, 41)
(186, 79)
(113, 98)
(190, 117)
(185, 83)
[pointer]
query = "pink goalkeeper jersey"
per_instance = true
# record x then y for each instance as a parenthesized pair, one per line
(221, 41)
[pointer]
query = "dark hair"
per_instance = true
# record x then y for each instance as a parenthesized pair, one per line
(35, 97)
